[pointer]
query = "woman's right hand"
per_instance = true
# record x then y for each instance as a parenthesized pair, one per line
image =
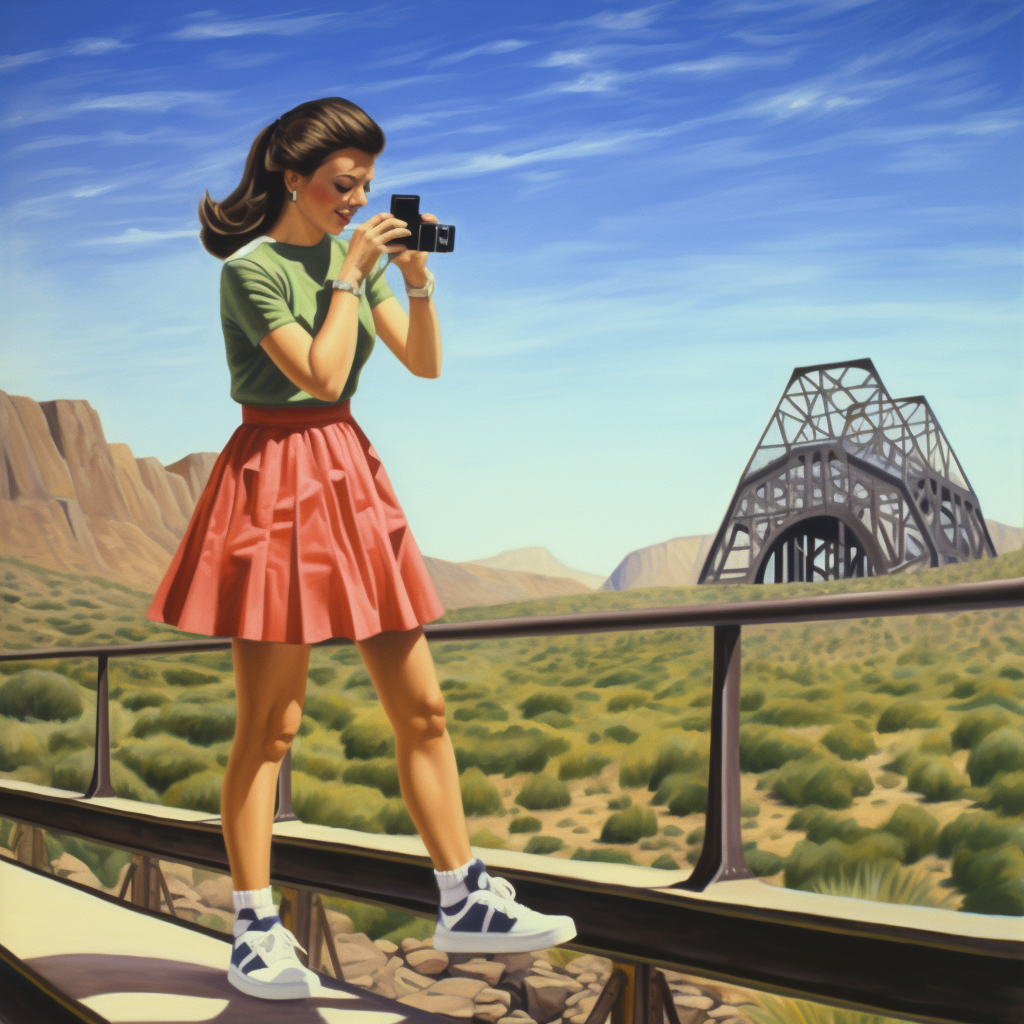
(369, 241)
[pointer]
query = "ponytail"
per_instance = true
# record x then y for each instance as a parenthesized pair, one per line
(300, 140)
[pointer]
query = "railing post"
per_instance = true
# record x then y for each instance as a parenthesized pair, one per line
(721, 857)
(284, 790)
(100, 785)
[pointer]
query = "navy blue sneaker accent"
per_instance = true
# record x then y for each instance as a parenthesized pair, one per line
(258, 924)
(490, 921)
(476, 876)
(253, 961)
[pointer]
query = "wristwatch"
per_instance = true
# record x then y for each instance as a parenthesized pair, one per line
(422, 293)
(347, 286)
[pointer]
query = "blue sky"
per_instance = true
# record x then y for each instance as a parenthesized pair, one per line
(661, 210)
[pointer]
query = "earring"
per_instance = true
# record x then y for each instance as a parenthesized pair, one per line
(295, 195)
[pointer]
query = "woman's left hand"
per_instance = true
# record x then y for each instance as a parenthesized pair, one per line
(412, 264)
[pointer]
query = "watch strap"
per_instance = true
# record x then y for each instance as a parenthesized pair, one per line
(422, 293)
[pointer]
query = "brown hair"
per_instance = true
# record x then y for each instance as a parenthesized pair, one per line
(302, 139)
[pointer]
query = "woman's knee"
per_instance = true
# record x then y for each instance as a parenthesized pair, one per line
(423, 718)
(272, 734)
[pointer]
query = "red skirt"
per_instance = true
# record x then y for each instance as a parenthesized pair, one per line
(297, 537)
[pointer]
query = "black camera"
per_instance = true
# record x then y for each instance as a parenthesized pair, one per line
(425, 237)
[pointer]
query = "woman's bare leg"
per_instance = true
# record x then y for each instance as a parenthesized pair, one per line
(270, 683)
(403, 675)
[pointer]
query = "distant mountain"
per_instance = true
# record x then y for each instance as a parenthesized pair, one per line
(538, 560)
(1005, 538)
(469, 585)
(672, 563)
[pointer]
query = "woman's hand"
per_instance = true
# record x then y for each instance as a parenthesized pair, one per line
(374, 236)
(412, 264)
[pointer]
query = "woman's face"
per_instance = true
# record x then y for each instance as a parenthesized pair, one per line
(331, 195)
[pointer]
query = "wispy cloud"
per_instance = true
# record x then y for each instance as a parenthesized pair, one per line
(228, 28)
(86, 47)
(156, 101)
(139, 236)
(498, 46)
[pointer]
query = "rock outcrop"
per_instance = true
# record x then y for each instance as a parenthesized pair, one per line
(673, 563)
(71, 502)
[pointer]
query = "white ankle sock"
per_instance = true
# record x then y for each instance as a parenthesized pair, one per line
(452, 884)
(260, 901)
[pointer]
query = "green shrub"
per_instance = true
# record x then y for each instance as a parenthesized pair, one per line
(479, 794)
(188, 677)
(626, 699)
(906, 714)
(623, 677)
(395, 819)
(916, 828)
(379, 772)
(1000, 751)
(203, 724)
(199, 792)
(792, 712)
(77, 736)
(330, 710)
(74, 772)
(543, 792)
(691, 798)
(486, 711)
(367, 738)
(512, 751)
(610, 856)
(809, 862)
(763, 747)
(749, 808)
(666, 862)
(1007, 793)
(556, 719)
(70, 627)
(36, 693)
(821, 825)
(620, 803)
(621, 734)
(18, 746)
(978, 830)
(751, 700)
(544, 844)
(143, 699)
(164, 760)
(676, 755)
(635, 770)
(763, 862)
(537, 703)
(885, 881)
(695, 723)
(323, 674)
(580, 764)
(975, 725)
(525, 823)
(630, 825)
(935, 778)
(992, 880)
(672, 785)
(829, 782)
(486, 838)
(360, 677)
(848, 742)
(322, 763)
(938, 741)
(329, 803)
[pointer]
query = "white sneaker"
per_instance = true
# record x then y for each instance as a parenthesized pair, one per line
(264, 963)
(490, 921)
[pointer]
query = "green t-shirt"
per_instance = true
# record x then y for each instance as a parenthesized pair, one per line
(267, 284)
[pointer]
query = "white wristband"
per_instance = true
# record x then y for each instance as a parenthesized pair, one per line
(422, 293)
(347, 286)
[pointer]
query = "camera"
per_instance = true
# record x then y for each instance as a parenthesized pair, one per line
(425, 237)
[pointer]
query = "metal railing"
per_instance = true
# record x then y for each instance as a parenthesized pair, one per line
(882, 968)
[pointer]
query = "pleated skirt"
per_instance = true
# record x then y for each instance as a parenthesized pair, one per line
(298, 536)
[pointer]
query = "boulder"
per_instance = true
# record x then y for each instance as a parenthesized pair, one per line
(488, 971)
(469, 987)
(357, 960)
(495, 995)
(490, 1012)
(447, 1003)
(427, 960)
(385, 946)
(407, 982)
(216, 892)
(546, 996)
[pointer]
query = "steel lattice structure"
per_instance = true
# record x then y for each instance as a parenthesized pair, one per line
(847, 481)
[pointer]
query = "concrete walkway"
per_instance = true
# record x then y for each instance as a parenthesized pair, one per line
(132, 968)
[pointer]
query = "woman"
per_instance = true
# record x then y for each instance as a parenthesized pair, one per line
(298, 535)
